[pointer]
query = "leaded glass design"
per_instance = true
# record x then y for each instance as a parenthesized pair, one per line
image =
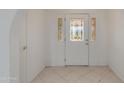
(93, 29)
(76, 29)
(60, 28)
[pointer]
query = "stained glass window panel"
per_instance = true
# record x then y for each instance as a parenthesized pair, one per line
(60, 28)
(76, 29)
(93, 29)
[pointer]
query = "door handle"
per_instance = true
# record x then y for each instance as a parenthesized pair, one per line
(25, 47)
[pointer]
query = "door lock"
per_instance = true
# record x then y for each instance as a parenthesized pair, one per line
(87, 43)
(25, 47)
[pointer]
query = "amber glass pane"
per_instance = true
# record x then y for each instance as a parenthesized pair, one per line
(76, 29)
(93, 29)
(60, 27)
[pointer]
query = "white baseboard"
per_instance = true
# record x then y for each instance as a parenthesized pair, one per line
(41, 69)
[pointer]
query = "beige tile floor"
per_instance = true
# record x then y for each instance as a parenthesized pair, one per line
(77, 74)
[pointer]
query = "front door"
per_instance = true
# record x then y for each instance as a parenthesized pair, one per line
(76, 39)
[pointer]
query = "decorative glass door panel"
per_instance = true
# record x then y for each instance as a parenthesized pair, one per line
(76, 29)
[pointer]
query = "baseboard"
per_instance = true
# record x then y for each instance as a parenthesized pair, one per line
(28, 81)
(5, 81)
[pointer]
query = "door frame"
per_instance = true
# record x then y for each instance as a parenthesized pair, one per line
(65, 28)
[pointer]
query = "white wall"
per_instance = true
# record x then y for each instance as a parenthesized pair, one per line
(36, 42)
(6, 20)
(98, 50)
(115, 44)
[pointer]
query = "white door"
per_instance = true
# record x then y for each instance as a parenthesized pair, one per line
(76, 39)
